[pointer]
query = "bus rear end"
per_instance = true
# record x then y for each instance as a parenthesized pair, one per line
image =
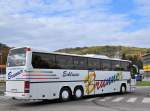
(17, 82)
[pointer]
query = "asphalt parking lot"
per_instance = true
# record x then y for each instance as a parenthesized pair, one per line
(135, 101)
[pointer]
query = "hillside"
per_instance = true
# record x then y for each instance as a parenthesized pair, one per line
(111, 51)
(130, 53)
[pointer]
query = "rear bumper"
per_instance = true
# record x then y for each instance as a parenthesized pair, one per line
(16, 95)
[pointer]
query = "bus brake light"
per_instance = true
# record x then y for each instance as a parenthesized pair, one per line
(26, 86)
(27, 49)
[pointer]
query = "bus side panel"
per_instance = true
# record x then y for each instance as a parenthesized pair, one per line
(49, 82)
(49, 86)
(50, 90)
(42, 90)
(110, 81)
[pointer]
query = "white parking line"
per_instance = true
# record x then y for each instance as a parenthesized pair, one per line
(105, 99)
(118, 99)
(132, 100)
(146, 100)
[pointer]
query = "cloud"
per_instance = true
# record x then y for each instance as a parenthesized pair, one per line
(56, 24)
(143, 7)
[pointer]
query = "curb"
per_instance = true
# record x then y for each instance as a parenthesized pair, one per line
(142, 86)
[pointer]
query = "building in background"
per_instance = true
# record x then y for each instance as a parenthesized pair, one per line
(146, 66)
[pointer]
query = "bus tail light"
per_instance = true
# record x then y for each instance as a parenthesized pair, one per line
(26, 87)
(27, 49)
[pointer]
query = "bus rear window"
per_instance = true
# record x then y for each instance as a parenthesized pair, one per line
(16, 57)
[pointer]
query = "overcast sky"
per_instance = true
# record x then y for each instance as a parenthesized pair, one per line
(56, 24)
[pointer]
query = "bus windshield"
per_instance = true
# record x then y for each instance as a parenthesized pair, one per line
(16, 57)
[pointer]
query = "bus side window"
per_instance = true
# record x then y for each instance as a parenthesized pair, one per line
(80, 63)
(93, 64)
(116, 65)
(64, 62)
(106, 65)
(125, 66)
(43, 60)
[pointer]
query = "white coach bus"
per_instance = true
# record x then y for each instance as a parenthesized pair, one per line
(39, 75)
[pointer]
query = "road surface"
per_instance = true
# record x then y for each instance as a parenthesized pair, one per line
(135, 101)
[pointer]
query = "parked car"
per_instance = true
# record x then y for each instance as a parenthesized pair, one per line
(138, 77)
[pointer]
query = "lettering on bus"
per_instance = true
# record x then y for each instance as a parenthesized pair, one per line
(108, 81)
(11, 75)
(90, 85)
(69, 73)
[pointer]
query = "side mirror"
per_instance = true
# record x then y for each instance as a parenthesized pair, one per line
(134, 71)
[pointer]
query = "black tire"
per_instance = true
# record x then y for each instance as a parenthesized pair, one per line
(78, 93)
(65, 94)
(123, 89)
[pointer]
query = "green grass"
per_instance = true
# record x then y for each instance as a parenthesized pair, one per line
(143, 83)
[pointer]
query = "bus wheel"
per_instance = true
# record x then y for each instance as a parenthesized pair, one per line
(123, 89)
(78, 92)
(65, 94)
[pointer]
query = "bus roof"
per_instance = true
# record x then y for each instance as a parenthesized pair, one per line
(87, 55)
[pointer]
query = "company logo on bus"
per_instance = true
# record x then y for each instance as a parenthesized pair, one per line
(68, 73)
(91, 84)
(11, 75)
(108, 81)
